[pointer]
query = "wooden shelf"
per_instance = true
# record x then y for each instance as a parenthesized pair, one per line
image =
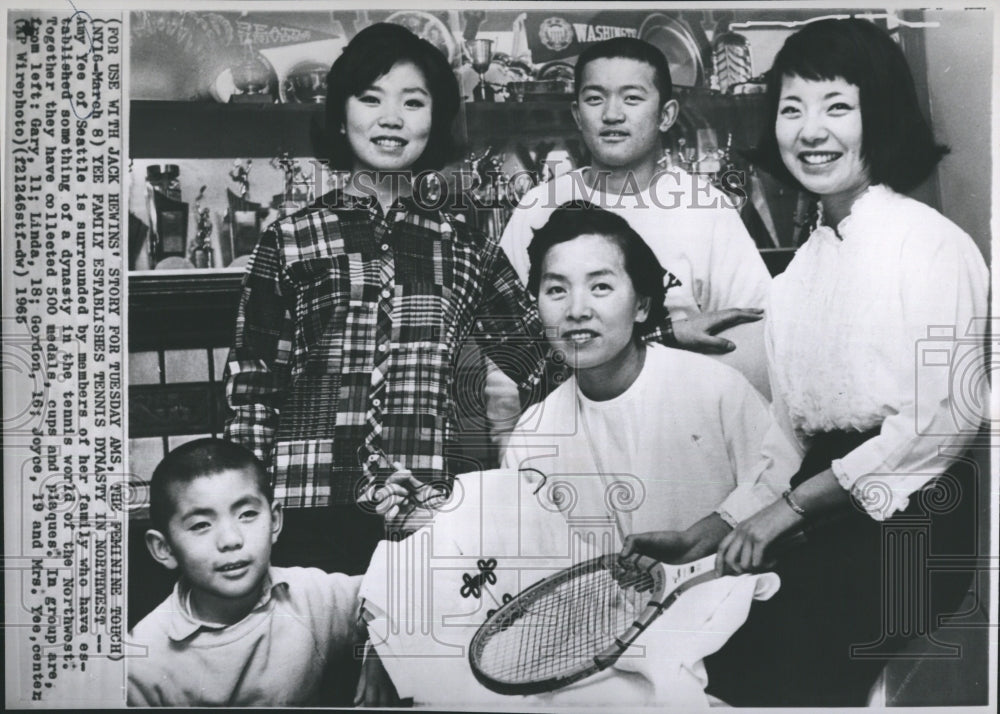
(198, 308)
(492, 123)
(208, 130)
(489, 122)
(182, 311)
(743, 115)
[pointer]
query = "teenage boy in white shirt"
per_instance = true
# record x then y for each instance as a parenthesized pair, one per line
(623, 105)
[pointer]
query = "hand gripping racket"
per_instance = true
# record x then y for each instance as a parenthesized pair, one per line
(577, 622)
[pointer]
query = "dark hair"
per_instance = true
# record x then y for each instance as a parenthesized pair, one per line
(577, 218)
(194, 459)
(627, 48)
(897, 143)
(372, 53)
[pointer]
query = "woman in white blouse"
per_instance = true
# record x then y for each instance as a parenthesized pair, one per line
(861, 388)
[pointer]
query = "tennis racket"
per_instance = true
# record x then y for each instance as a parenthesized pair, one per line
(577, 622)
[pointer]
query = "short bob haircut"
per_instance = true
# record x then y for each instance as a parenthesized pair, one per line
(195, 459)
(579, 218)
(627, 48)
(372, 53)
(897, 143)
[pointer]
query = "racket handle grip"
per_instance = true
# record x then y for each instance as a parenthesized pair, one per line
(679, 574)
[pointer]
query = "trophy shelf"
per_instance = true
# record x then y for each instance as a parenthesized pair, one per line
(182, 309)
(497, 122)
(493, 122)
(197, 308)
(208, 130)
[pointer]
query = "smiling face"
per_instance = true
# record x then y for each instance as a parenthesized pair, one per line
(818, 130)
(620, 115)
(389, 123)
(220, 536)
(587, 296)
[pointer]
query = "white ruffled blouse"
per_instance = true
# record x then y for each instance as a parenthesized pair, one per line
(881, 326)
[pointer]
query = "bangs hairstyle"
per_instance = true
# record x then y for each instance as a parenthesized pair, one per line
(372, 53)
(897, 143)
(627, 48)
(580, 218)
(194, 459)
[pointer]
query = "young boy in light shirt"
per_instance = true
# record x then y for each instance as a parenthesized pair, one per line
(236, 631)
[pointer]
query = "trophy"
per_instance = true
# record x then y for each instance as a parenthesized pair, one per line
(298, 192)
(240, 173)
(168, 217)
(429, 188)
(306, 83)
(254, 77)
(709, 154)
(685, 155)
(243, 217)
(481, 52)
(500, 209)
(201, 248)
(732, 62)
(490, 186)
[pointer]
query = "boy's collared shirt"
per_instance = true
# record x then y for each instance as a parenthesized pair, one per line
(183, 623)
(303, 624)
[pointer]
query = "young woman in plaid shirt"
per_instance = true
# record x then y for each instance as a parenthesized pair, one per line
(354, 310)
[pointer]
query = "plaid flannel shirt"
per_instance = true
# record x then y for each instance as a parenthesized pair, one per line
(338, 290)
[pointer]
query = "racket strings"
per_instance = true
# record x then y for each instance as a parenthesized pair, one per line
(561, 630)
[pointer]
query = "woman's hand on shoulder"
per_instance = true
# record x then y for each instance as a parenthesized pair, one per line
(700, 332)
